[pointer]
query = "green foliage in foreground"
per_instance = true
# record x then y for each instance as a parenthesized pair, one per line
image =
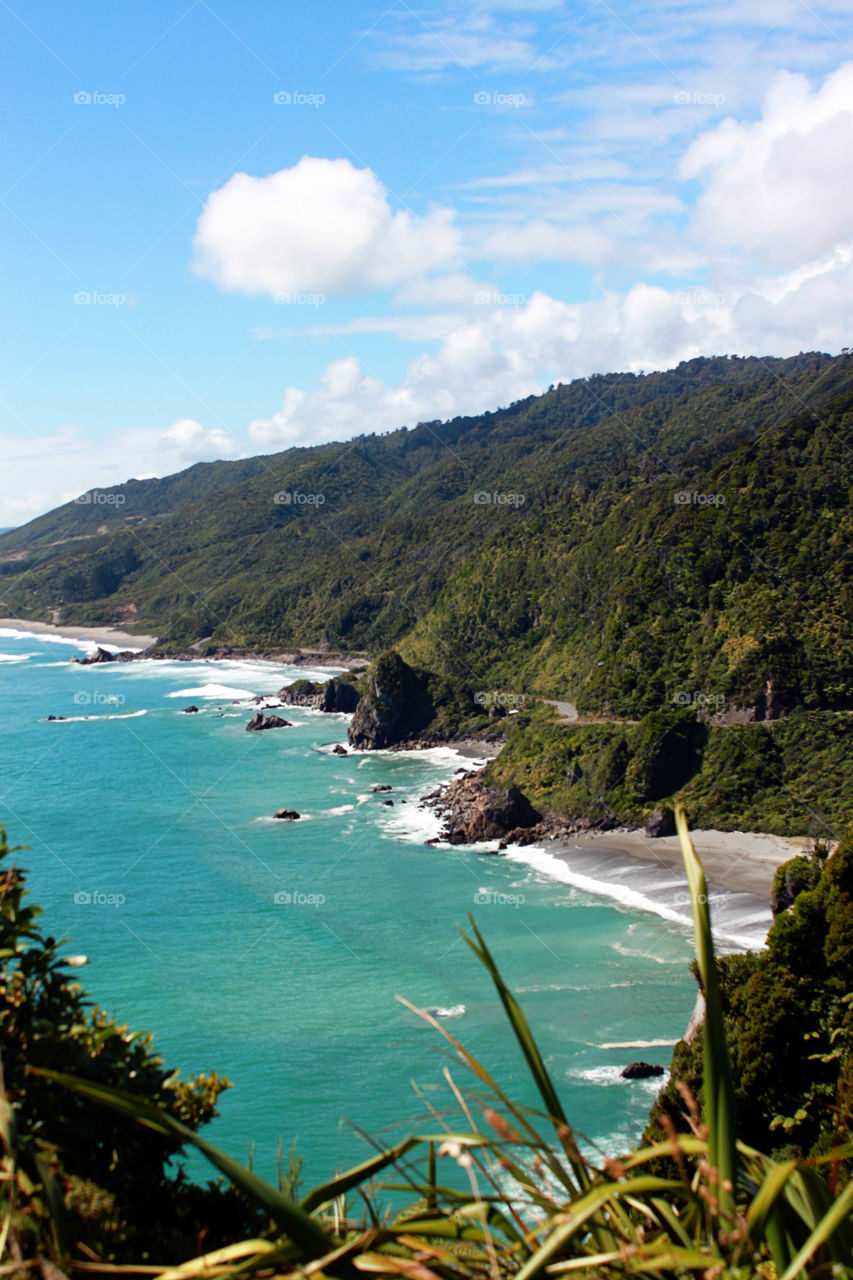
(788, 1018)
(777, 776)
(507, 1194)
(111, 1176)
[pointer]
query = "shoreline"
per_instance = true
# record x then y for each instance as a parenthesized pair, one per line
(736, 861)
(88, 635)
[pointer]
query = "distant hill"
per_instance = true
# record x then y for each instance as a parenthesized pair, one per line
(618, 541)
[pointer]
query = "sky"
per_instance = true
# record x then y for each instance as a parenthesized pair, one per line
(236, 226)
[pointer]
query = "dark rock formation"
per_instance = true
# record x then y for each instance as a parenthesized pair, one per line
(396, 705)
(641, 1071)
(302, 693)
(381, 786)
(260, 721)
(57, 717)
(286, 815)
(387, 801)
(339, 695)
(661, 823)
(474, 811)
(104, 655)
(188, 711)
(338, 750)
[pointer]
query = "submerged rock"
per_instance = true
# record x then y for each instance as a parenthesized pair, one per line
(641, 1071)
(260, 721)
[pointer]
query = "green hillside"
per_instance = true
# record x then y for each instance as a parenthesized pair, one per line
(581, 577)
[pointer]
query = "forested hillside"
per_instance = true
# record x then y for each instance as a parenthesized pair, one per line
(622, 540)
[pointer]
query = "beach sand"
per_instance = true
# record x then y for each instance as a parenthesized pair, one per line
(740, 861)
(92, 635)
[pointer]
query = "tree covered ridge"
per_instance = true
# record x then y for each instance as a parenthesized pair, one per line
(789, 1019)
(570, 590)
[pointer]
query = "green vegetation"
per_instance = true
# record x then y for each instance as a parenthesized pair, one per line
(112, 1178)
(507, 1194)
(632, 544)
(779, 776)
(788, 1019)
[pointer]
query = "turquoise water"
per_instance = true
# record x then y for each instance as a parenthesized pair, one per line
(153, 851)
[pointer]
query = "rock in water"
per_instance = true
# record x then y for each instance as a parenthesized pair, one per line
(260, 721)
(339, 695)
(188, 711)
(104, 655)
(286, 815)
(661, 823)
(474, 811)
(396, 705)
(338, 750)
(641, 1071)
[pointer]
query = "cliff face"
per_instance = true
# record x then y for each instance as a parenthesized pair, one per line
(396, 705)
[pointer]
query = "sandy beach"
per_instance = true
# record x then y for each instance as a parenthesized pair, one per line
(92, 635)
(740, 861)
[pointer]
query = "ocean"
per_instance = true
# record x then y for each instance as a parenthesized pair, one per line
(272, 952)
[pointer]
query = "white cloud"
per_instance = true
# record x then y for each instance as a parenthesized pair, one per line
(322, 225)
(43, 471)
(509, 352)
(779, 188)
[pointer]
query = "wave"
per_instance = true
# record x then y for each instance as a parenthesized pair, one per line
(121, 715)
(639, 1044)
(612, 1075)
(16, 634)
(741, 919)
(213, 691)
(18, 657)
(448, 1011)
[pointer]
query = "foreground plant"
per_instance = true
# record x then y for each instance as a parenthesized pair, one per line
(523, 1200)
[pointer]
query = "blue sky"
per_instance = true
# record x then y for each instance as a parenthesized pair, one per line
(230, 227)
